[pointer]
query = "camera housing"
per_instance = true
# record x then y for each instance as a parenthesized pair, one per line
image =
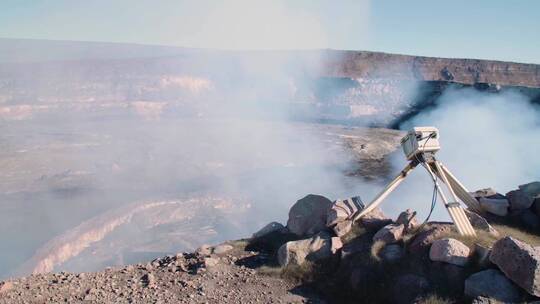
(420, 140)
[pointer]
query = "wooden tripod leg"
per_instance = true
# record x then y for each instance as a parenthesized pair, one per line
(386, 191)
(454, 209)
(440, 172)
(461, 191)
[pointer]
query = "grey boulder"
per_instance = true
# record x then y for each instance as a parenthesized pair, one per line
(391, 253)
(494, 206)
(492, 284)
(519, 261)
(531, 189)
(270, 228)
(308, 215)
(519, 200)
(480, 223)
(536, 205)
(407, 288)
(529, 219)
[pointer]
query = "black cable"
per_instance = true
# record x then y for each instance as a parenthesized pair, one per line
(434, 195)
(433, 203)
(434, 178)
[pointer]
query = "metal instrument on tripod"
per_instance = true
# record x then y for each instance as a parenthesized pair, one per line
(420, 146)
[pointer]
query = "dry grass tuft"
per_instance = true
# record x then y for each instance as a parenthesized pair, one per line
(482, 238)
(434, 299)
(270, 271)
(487, 240)
(294, 273)
(529, 238)
(376, 250)
(305, 272)
(355, 232)
(239, 244)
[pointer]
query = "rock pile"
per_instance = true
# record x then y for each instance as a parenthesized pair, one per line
(308, 217)
(508, 272)
(321, 223)
(522, 204)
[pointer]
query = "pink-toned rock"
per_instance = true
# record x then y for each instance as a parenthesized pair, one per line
(342, 228)
(520, 262)
(320, 246)
(408, 219)
(342, 210)
(390, 233)
(449, 251)
(433, 231)
(341, 214)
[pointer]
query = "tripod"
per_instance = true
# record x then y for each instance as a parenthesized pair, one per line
(437, 171)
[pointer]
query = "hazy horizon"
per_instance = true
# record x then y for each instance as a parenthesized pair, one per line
(491, 30)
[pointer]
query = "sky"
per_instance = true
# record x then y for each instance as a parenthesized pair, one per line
(484, 29)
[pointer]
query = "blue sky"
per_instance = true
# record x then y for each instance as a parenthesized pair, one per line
(487, 29)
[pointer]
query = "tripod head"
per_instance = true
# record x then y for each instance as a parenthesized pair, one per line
(420, 140)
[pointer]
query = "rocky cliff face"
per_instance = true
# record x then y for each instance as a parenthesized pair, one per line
(344, 86)
(465, 71)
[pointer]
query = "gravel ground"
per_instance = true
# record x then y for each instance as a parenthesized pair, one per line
(222, 274)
